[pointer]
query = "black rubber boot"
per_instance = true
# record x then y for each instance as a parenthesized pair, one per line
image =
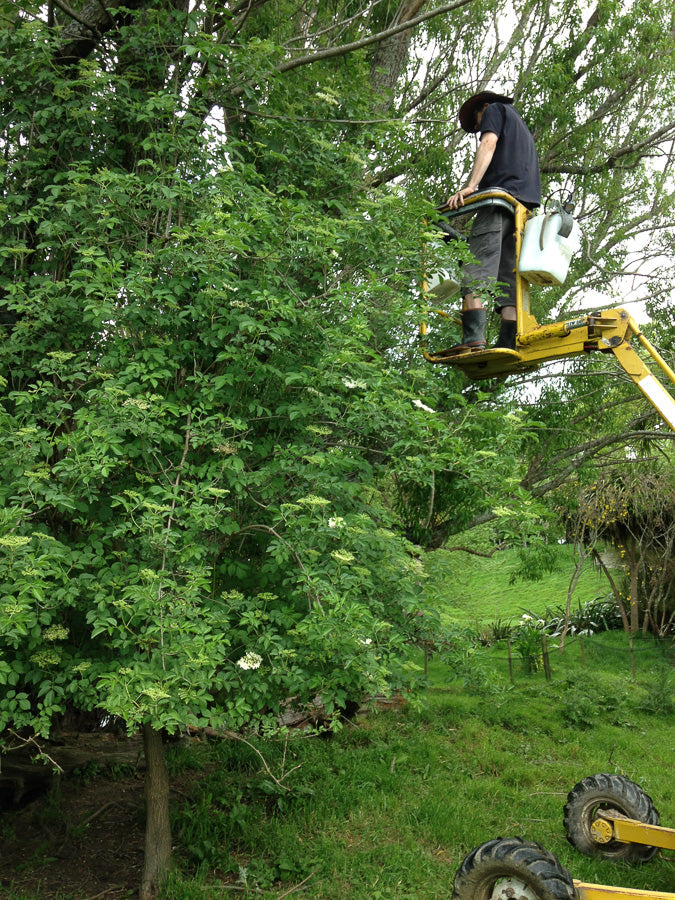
(474, 323)
(507, 336)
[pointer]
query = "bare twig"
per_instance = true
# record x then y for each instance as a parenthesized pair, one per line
(278, 781)
(570, 590)
(113, 888)
(41, 751)
(297, 886)
(186, 448)
(98, 812)
(276, 534)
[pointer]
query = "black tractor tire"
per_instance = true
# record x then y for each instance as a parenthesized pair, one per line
(611, 793)
(533, 872)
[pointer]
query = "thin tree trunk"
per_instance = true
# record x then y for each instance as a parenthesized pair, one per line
(570, 590)
(157, 825)
(615, 590)
(633, 560)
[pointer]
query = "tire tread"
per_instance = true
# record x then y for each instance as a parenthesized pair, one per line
(627, 797)
(526, 860)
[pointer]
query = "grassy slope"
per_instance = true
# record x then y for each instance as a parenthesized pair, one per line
(476, 590)
(389, 808)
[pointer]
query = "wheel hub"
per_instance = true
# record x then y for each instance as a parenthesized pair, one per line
(512, 889)
(602, 831)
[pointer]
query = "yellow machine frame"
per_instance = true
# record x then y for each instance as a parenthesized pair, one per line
(609, 331)
(608, 827)
(606, 892)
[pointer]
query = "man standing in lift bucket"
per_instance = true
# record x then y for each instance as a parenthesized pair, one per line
(506, 159)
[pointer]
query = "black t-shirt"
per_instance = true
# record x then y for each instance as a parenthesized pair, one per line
(514, 166)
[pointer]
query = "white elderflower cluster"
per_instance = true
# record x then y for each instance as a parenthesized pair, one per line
(137, 402)
(14, 541)
(39, 472)
(55, 633)
(420, 405)
(327, 97)
(250, 661)
(343, 556)
(313, 500)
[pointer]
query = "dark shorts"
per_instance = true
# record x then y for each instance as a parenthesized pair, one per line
(493, 242)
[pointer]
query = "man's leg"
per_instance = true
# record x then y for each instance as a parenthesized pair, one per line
(506, 303)
(485, 244)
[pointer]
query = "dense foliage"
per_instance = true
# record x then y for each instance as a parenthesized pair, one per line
(199, 427)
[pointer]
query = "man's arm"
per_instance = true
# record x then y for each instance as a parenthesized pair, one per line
(484, 154)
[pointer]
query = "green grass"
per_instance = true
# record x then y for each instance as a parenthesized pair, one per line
(388, 808)
(474, 590)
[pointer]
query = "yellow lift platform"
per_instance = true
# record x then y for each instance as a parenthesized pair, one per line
(608, 331)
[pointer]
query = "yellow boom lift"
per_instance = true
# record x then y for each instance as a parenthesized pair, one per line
(609, 331)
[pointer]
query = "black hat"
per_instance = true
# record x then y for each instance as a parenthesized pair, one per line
(467, 117)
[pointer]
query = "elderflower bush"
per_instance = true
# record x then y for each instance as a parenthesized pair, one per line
(203, 462)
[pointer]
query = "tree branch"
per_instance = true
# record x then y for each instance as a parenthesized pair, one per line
(344, 49)
(584, 451)
(89, 25)
(610, 161)
(74, 15)
(272, 531)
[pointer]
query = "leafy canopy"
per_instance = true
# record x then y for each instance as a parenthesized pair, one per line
(204, 413)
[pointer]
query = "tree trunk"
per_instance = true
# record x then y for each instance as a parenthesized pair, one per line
(615, 590)
(83, 33)
(633, 554)
(391, 55)
(157, 826)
